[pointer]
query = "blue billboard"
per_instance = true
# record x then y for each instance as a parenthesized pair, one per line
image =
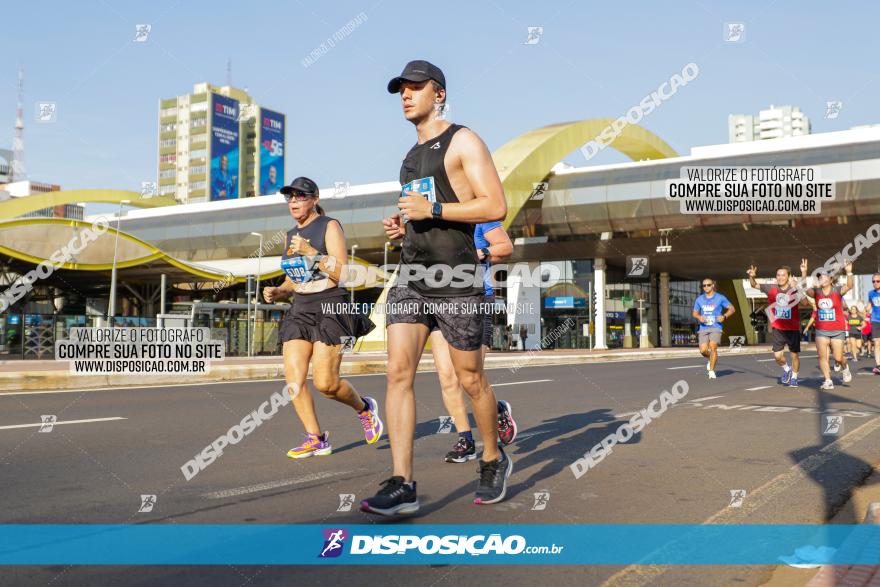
(223, 180)
(271, 151)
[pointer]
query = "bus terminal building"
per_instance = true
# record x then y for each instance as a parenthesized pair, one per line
(622, 265)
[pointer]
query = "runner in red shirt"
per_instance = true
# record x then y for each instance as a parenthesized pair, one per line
(831, 323)
(785, 319)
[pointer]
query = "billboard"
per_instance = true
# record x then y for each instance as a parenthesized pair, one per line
(224, 176)
(271, 151)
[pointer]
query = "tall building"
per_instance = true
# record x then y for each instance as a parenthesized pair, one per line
(5, 166)
(773, 123)
(219, 144)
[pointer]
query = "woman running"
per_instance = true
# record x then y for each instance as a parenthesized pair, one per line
(831, 324)
(855, 321)
(319, 321)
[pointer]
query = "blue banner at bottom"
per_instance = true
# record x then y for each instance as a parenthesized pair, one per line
(525, 544)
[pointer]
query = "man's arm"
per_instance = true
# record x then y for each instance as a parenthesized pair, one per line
(849, 280)
(500, 246)
(728, 311)
(488, 203)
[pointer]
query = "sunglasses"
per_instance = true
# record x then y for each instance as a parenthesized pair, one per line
(875, 280)
(708, 284)
(298, 197)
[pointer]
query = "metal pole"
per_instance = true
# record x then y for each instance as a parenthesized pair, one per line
(257, 296)
(590, 313)
(247, 330)
(385, 285)
(353, 247)
(111, 306)
(163, 285)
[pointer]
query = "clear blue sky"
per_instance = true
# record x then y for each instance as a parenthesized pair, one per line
(594, 60)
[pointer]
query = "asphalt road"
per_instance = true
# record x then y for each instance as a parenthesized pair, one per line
(748, 434)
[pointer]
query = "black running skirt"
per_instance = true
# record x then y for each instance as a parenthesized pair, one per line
(321, 321)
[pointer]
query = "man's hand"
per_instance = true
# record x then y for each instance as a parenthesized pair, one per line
(721, 318)
(804, 266)
(414, 206)
(848, 267)
(393, 226)
(752, 272)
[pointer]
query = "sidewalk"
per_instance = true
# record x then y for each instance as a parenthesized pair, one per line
(857, 510)
(52, 375)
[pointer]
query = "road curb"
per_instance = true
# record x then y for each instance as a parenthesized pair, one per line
(12, 381)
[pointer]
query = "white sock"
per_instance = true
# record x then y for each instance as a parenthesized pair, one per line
(786, 368)
(794, 374)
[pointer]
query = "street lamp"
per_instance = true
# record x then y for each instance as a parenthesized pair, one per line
(385, 285)
(111, 306)
(353, 247)
(257, 295)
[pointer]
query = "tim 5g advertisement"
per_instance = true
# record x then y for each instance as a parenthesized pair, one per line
(271, 151)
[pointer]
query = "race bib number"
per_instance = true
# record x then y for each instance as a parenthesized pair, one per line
(709, 315)
(783, 313)
(423, 186)
(298, 269)
(827, 315)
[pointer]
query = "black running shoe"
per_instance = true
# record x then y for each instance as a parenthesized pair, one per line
(493, 480)
(506, 423)
(394, 498)
(464, 450)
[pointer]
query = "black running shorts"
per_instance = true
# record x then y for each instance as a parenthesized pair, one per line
(789, 338)
(461, 319)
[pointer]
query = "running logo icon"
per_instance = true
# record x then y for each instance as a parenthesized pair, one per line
(148, 188)
(833, 108)
(142, 32)
(541, 499)
(736, 498)
(340, 189)
(347, 343)
(538, 190)
(446, 423)
(736, 343)
(832, 425)
(346, 500)
(48, 422)
(334, 541)
(636, 266)
(147, 504)
(734, 32)
(534, 35)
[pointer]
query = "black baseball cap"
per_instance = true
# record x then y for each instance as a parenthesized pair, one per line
(417, 71)
(301, 184)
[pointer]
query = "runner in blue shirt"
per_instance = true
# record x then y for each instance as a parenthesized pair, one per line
(492, 244)
(874, 300)
(711, 309)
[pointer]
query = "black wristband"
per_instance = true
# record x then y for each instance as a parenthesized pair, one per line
(436, 210)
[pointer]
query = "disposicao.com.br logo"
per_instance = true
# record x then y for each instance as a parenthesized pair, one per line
(452, 544)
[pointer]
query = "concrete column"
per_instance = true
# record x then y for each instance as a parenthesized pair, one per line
(163, 285)
(599, 267)
(665, 320)
(525, 294)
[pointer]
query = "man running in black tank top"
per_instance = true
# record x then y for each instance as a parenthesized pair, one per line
(467, 191)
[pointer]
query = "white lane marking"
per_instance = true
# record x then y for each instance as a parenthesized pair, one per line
(235, 492)
(133, 387)
(802, 356)
(757, 388)
(638, 575)
(520, 382)
(64, 422)
(688, 367)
